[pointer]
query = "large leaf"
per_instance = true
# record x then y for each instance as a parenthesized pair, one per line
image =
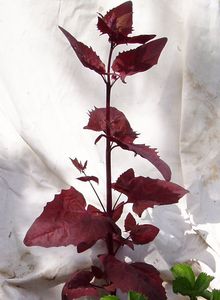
(139, 277)
(139, 59)
(145, 192)
(79, 285)
(65, 221)
(119, 125)
(86, 55)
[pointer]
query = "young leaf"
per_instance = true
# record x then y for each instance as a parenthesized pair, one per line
(185, 271)
(78, 286)
(119, 125)
(88, 178)
(138, 60)
(86, 55)
(145, 192)
(80, 167)
(143, 234)
(117, 21)
(202, 282)
(130, 222)
(136, 296)
(139, 277)
(65, 221)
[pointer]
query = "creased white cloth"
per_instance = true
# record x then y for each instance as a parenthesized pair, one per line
(45, 94)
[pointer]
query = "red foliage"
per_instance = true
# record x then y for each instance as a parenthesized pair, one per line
(145, 192)
(80, 167)
(88, 178)
(119, 125)
(138, 60)
(139, 277)
(79, 285)
(86, 55)
(65, 221)
(117, 23)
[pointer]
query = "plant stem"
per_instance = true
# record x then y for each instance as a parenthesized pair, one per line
(108, 150)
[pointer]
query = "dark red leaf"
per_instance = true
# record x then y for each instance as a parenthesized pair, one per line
(151, 155)
(79, 286)
(139, 277)
(117, 212)
(130, 222)
(145, 192)
(65, 221)
(148, 153)
(139, 59)
(117, 21)
(80, 167)
(120, 38)
(143, 234)
(119, 125)
(89, 178)
(86, 55)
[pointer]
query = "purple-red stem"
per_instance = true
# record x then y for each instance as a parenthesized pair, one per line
(108, 150)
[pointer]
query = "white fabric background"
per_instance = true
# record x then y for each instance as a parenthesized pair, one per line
(45, 94)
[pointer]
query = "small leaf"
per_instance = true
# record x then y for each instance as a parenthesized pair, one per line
(88, 178)
(86, 55)
(138, 60)
(78, 286)
(202, 282)
(130, 222)
(109, 297)
(136, 296)
(184, 271)
(80, 167)
(143, 234)
(117, 212)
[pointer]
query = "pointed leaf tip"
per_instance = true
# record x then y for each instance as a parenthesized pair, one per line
(86, 55)
(140, 59)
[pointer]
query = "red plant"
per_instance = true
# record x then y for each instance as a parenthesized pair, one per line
(67, 220)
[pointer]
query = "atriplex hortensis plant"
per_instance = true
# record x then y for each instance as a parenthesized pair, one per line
(67, 220)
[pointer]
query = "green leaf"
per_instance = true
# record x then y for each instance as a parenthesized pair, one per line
(136, 296)
(202, 282)
(215, 295)
(109, 297)
(184, 271)
(183, 286)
